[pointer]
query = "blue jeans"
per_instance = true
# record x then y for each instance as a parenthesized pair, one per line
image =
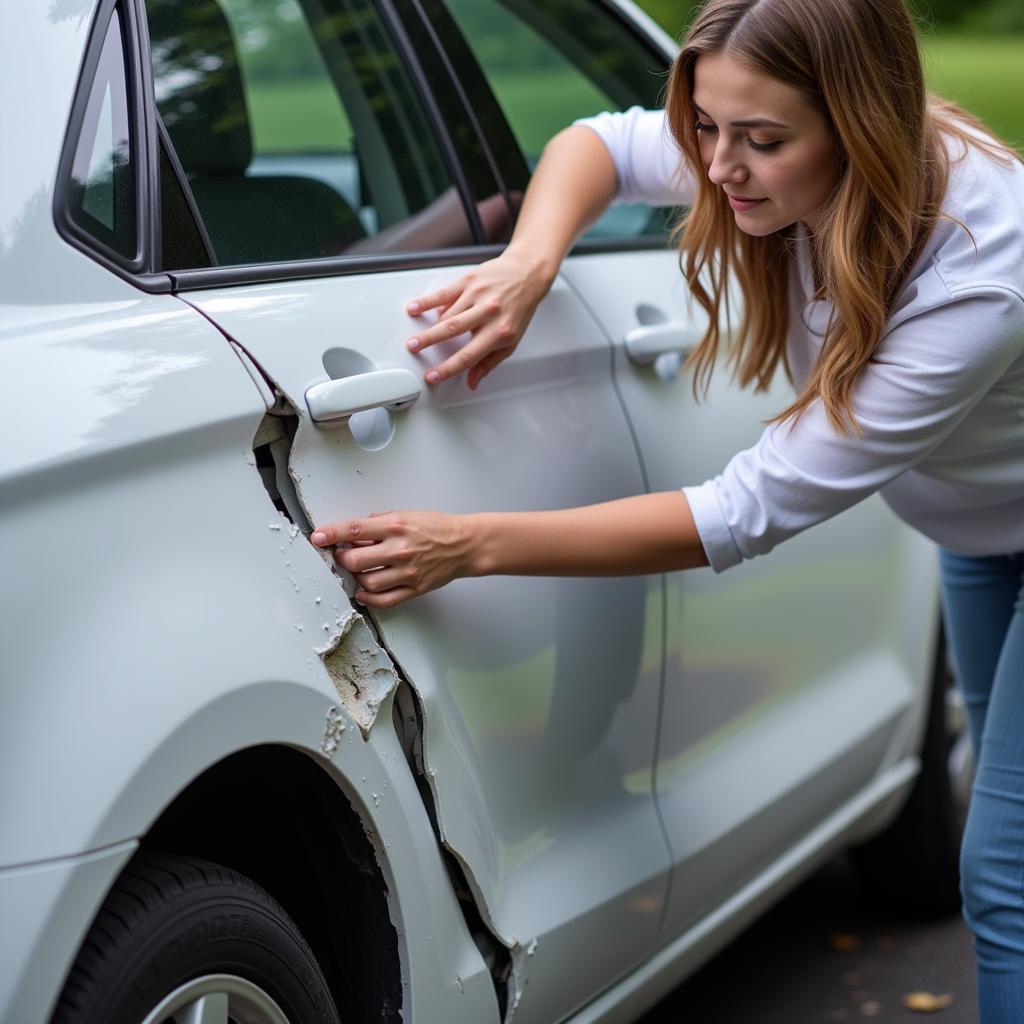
(983, 604)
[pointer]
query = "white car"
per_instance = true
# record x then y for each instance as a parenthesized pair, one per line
(228, 794)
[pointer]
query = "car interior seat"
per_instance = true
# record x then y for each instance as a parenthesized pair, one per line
(201, 99)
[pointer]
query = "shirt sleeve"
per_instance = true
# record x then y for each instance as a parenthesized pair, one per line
(648, 163)
(927, 374)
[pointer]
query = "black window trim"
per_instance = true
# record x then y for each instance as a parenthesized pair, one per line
(339, 266)
(420, 87)
(186, 190)
(467, 108)
(331, 266)
(137, 270)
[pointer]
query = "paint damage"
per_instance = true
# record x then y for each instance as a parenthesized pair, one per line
(521, 954)
(360, 669)
(364, 676)
(334, 726)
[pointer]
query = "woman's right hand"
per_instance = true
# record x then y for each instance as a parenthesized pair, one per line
(494, 303)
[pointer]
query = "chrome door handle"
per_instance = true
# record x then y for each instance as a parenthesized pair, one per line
(336, 400)
(645, 344)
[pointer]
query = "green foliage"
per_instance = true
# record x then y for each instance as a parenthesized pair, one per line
(974, 15)
(672, 15)
(998, 17)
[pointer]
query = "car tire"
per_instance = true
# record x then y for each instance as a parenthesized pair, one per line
(913, 866)
(180, 938)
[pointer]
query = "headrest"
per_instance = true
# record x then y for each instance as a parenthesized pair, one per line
(199, 85)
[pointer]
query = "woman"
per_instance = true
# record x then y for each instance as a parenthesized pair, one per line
(877, 235)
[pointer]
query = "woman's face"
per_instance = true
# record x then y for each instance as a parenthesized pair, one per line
(762, 142)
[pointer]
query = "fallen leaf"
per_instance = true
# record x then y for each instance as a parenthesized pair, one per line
(843, 943)
(926, 1002)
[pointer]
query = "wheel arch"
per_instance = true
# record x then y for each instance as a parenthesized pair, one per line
(272, 813)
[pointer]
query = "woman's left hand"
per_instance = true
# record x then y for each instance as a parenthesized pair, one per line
(398, 555)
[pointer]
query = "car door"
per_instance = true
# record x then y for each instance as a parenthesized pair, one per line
(327, 199)
(786, 679)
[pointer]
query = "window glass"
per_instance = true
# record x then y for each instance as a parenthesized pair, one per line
(298, 130)
(102, 193)
(549, 62)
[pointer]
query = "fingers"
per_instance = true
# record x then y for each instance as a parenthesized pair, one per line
(483, 346)
(352, 531)
(372, 556)
(492, 304)
(378, 580)
(443, 297)
(388, 599)
(462, 317)
(395, 556)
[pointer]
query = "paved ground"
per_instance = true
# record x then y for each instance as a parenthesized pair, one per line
(826, 956)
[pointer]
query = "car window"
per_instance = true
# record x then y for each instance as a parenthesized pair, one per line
(298, 131)
(548, 62)
(101, 197)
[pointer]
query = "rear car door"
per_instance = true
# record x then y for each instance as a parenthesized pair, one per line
(326, 196)
(786, 679)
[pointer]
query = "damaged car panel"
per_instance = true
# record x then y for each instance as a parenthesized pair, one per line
(538, 736)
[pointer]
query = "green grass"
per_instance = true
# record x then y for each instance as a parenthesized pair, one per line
(543, 103)
(984, 75)
(301, 116)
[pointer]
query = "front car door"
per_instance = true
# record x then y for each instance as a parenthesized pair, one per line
(324, 203)
(788, 679)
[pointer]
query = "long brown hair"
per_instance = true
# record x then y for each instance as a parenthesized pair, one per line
(857, 62)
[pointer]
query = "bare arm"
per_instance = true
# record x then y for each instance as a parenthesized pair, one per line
(400, 555)
(574, 182)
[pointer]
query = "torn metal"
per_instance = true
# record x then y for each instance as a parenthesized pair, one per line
(364, 674)
(495, 950)
(360, 669)
(358, 666)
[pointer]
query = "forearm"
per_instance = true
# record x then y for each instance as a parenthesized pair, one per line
(572, 185)
(631, 536)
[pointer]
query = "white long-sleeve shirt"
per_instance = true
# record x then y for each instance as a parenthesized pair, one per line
(941, 405)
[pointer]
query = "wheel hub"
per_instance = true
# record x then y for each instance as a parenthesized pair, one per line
(216, 999)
